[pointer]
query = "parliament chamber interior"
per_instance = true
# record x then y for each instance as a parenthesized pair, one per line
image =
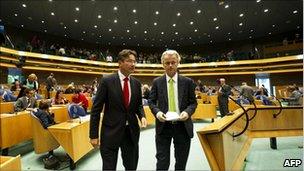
(244, 60)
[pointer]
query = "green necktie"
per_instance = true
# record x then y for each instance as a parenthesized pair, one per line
(172, 107)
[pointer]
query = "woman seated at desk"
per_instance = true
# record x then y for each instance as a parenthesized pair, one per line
(44, 115)
(59, 98)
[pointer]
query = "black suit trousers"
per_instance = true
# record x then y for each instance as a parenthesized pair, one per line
(129, 153)
(181, 141)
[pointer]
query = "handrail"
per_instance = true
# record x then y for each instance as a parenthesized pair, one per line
(280, 111)
(247, 119)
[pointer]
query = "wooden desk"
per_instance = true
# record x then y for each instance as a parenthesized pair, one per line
(8, 163)
(73, 137)
(204, 111)
(213, 99)
(15, 128)
(60, 113)
(7, 107)
(149, 116)
(225, 152)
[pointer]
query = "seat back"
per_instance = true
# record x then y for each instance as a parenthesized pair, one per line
(75, 111)
(42, 138)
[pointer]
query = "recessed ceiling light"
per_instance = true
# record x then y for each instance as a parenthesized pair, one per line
(198, 11)
(295, 12)
(217, 27)
(99, 16)
(110, 29)
(221, 2)
(215, 19)
(115, 21)
(42, 21)
(109, 43)
(266, 10)
(193, 43)
(191, 22)
(115, 8)
(76, 21)
(162, 32)
(176, 33)
(135, 22)
(241, 15)
(130, 38)
(83, 32)
(99, 36)
(155, 23)
(190, 38)
(82, 39)
(298, 27)
(134, 10)
(269, 33)
(240, 24)
(173, 25)
(229, 33)
(65, 27)
(178, 14)
(251, 30)
(258, 1)
(124, 43)
(22, 25)
(250, 37)
(229, 39)
(211, 41)
(145, 32)
(45, 31)
(52, 13)
(15, 15)
(209, 35)
(77, 8)
(227, 6)
(128, 31)
(273, 25)
(24, 5)
(173, 40)
(95, 26)
(137, 44)
(50, 0)
(156, 12)
(195, 30)
(65, 35)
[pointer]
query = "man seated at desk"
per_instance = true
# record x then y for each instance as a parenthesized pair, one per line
(25, 102)
(44, 115)
(296, 98)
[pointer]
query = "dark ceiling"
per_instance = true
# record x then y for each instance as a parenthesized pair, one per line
(196, 24)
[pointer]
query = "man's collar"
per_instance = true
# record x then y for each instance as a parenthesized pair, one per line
(121, 76)
(174, 77)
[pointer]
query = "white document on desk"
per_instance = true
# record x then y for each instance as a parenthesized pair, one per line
(172, 116)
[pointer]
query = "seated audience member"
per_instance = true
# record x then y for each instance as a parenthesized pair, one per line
(25, 102)
(31, 82)
(294, 98)
(16, 86)
(70, 89)
(59, 98)
(44, 115)
(80, 99)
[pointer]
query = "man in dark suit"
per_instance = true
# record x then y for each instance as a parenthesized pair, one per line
(25, 102)
(247, 92)
(223, 94)
(172, 93)
(120, 95)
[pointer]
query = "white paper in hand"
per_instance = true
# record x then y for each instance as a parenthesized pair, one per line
(172, 116)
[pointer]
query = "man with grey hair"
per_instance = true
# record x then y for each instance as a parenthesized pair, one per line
(247, 92)
(172, 93)
(223, 94)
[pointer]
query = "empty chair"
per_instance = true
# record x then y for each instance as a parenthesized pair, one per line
(75, 111)
(42, 138)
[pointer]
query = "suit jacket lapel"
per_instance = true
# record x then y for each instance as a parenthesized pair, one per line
(133, 88)
(180, 88)
(163, 86)
(119, 90)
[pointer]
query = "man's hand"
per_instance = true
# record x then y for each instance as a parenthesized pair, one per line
(184, 116)
(161, 116)
(95, 142)
(143, 122)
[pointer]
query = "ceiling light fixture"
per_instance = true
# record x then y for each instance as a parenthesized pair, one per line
(135, 22)
(156, 12)
(155, 23)
(76, 21)
(99, 16)
(77, 8)
(134, 10)
(266, 10)
(24, 5)
(295, 12)
(258, 1)
(52, 13)
(115, 21)
(198, 11)
(241, 15)
(178, 14)
(145, 32)
(217, 27)
(240, 24)
(227, 6)
(191, 22)
(16, 15)
(195, 30)
(110, 29)
(215, 19)
(173, 25)
(115, 8)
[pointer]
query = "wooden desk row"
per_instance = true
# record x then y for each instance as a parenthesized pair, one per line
(224, 151)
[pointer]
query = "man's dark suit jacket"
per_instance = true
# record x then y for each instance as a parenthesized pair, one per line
(110, 96)
(158, 100)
